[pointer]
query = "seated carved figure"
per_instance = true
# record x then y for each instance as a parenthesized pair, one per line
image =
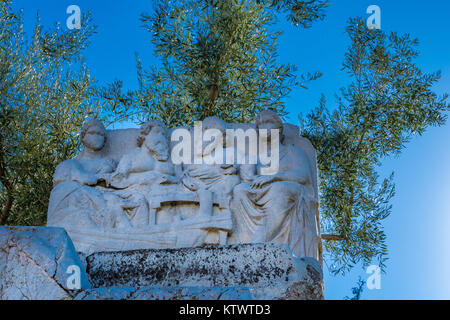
(209, 179)
(279, 207)
(218, 178)
(148, 163)
(76, 198)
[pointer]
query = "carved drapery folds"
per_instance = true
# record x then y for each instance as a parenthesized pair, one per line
(235, 183)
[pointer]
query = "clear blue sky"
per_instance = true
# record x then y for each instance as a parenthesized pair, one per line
(419, 228)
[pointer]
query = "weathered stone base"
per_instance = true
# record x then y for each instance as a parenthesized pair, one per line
(34, 262)
(268, 270)
(170, 293)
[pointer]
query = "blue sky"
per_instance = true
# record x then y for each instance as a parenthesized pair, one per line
(419, 228)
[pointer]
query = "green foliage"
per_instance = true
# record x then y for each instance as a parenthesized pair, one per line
(388, 101)
(302, 13)
(358, 290)
(46, 92)
(218, 58)
(45, 96)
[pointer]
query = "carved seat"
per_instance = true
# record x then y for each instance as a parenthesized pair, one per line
(221, 223)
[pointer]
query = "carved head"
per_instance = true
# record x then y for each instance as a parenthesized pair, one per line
(154, 137)
(270, 120)
(93, 135)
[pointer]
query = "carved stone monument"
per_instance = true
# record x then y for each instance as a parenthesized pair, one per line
(214, 184)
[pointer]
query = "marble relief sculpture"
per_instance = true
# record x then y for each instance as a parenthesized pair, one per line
(123, 191)
(78, 198)
(148, 163)
(279, 207)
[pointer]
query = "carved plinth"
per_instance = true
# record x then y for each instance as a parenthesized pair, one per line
(268, 270)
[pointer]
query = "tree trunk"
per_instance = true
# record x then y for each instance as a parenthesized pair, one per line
(6, 209)
(8, 186)
(332, 237)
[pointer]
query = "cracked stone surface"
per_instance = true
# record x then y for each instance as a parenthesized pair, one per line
(34, 262)
(269, 270)
(311, 287)
(172, 293)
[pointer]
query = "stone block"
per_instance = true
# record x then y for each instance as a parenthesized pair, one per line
(170, 293)
(269, 270)
(34, 262)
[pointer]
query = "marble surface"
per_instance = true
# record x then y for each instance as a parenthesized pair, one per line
(34, 262)
(172, 293)
(125, 190)
(268, 270)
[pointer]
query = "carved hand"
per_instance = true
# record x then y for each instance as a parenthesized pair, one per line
(168, 179)
(89, 179)
(260, 181)
(117, 176)
(189, 183)
(203, 172)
